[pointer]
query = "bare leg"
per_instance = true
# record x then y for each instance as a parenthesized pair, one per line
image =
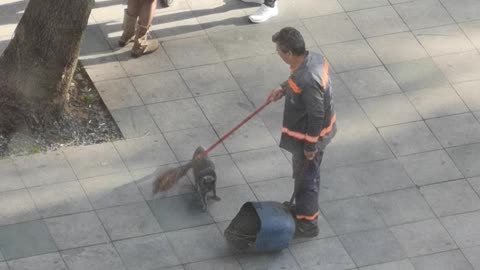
(147, 11)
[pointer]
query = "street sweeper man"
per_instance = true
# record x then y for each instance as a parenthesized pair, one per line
(308, 123)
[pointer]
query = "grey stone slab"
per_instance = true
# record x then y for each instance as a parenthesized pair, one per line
(378, 21)
(443, 40)
(350, 55)
(93, 41)
(464, 228)
(94, 160)
(396, 48)
(389, 110)
(106, 12)
(351, 215)
(279, 190)
(232, 199)
(323, 33)
(209, 79)
(177, 115)
(430, 167)
(340, 90)
(99, 257)
(339, 183)
(77, 230)
(475, 182)
(220, 16)
(372, 247)
(178, 22)
(466, 159)
(410, 138)
(312, 8)
(228, 263)
(350, 5)
(223, 108)
(401, 206)
(111, 190)
(424, 237)
(191, 52)
(397, 265)
(41, 169)
(472, 30)
(417, 74)
(10, 176)
(25, 239)
(51, 261)
(370, 82)
(436, 102)
(456, 130)
(472, 255)
(442, 261)
(262, 164)
(145, 152)
(148, 252)
(179, 212)
(159, 87)
(423, 14)
(1, 256)
(184, 142)
(60, 199)
(451, 198)
(135, 122)
(463, 10)
(102, 66)
(118, 94)
(157, 61)
(227, 172)
(322, 254)
(279, 260)
(197, 244)
(17, 206)
(460, 67)
(128, 221)
(469, 93)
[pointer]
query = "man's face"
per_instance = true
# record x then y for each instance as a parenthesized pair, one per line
(286, 57)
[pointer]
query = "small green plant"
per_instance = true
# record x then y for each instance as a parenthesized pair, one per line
(35, 149)
(88, 99)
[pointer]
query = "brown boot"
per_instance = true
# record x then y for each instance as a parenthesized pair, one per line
(142, 44)
(128, 29)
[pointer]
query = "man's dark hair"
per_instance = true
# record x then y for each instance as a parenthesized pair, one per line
(289, 39)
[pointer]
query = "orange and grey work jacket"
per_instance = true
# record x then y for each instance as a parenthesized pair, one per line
(308, 117)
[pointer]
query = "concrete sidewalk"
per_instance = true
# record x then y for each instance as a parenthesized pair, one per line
(400, 183)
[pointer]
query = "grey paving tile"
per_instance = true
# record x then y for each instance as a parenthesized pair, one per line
(463, 10)
(396, 48)
(410, 138)
(209, 79)
(232, 199)
(179, 212)
(322, 254)
(475, 182)
(94, 160)
(451, 198)
(351, 215)
(456, 129)
(100, 257)
(217, 16)
(227, 172)
(378, 21)
(25, 239)
(111, 190)
(225, 263)
(128, 221)
(443, 40)
(339, 183)
(1, 256)
(156, 62)
(341, 91)
(469, 94)
(51, 261)
(350, 55)
(436, 102)
(17, 206)
(417, 74)
(93, 41)
(103, 13)
(222, 108)
(430, 167)
(464, 228)
(279, 190)
(10, 176)
(102, 66)
(323, 33)
(262, 164)
(472, 255)
(389, 110)
(145, 152)
(148, 252)
(442, 261)
(312, 8)
(350, 5)
(423, 14)
(466, 159)
(197, 244)
(177, 115)
(135, 122)
(190, 52)
(158, 87)
(184, 142)
(372, 247)
(472, 30)
(118, 94)
(176, 23)
(41, 169)
(370, 82)
(460, 67)
(278, 260)
(397, 265)
(60, 199)
(76, 230)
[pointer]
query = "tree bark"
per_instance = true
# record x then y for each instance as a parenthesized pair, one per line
(38, 65)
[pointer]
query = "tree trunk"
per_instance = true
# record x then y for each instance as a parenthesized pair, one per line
(38, 65)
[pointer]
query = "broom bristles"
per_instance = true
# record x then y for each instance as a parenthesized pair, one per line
(169, 178)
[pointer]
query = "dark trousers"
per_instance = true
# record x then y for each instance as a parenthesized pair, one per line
(269, 3)
(307, 186)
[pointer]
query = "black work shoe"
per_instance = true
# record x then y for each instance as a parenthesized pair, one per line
(303, 229)
(290, 208)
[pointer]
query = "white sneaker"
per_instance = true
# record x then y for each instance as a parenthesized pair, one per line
(253, 1)
(264, 13)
